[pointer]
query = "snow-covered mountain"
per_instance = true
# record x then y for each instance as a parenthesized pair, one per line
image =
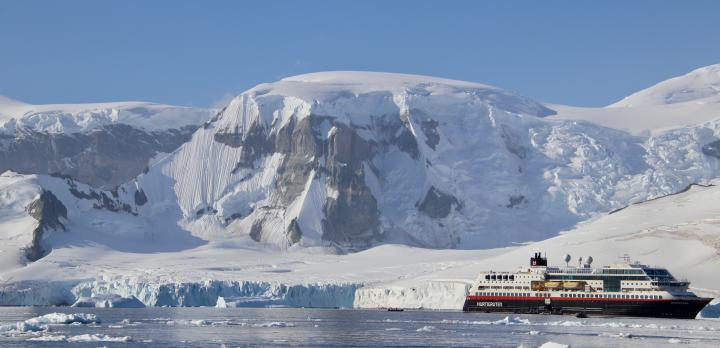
(687, 100)
(700, 86)
(345, 161)
(100, 144)
(357, 159)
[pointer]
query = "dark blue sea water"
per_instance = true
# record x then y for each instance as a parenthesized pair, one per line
(291, 327)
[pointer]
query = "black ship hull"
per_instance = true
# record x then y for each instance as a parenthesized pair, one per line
(665, 308)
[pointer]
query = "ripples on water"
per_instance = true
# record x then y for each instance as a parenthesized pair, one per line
(281, 327)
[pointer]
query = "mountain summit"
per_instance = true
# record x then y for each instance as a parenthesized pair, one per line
(700, 86)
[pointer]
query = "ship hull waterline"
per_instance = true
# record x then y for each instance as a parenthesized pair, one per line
(667, 308)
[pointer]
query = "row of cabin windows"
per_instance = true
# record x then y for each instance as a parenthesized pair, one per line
(499, 277)
(618, 296)
(506, 287)
(623, 296)
(504, 294)
(597, 277)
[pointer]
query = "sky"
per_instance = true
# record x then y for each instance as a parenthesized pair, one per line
(200, 53)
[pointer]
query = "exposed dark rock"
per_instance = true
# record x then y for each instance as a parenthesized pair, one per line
(206, 210)
(255, 144)
(140, 197)
(61, 176)
(232, 138)
(351, 218)
(302, 146)
(405, 140)
(515, 200)
(217, 116)
(438, 204)
(48, 211)
(429, 128)
(102, 200)
(396, 131)
(513, 142)
(82, 194)
(712, 149)
(256, 230)
(110, 204)
(104, 157)
(407, 143)
(236, 216)
(294, 232)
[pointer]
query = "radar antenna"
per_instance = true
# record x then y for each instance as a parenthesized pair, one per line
(626, 258)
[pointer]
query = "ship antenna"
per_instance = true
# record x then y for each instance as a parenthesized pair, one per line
(626, 258)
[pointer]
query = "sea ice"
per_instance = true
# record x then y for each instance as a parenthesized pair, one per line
(41, 323)
(426, 328)
(554, 345)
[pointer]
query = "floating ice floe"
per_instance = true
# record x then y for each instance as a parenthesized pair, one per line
(43, 322)
(426, 328)
(554, 345)
(678, 340)
(274, 324)
(98, 338)
(80, 338)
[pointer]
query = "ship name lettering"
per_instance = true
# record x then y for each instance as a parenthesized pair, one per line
(489, 304)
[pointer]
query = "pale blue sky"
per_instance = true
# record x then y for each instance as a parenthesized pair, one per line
(198, 52)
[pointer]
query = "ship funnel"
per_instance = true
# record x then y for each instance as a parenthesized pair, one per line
(538, 260)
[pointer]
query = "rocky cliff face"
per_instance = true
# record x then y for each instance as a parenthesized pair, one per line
(103, 157)
(50, 213)
(103, 145)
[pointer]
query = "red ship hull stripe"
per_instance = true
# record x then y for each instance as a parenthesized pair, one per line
(532, 298)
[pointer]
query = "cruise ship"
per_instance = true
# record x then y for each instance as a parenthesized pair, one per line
(624, 289)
